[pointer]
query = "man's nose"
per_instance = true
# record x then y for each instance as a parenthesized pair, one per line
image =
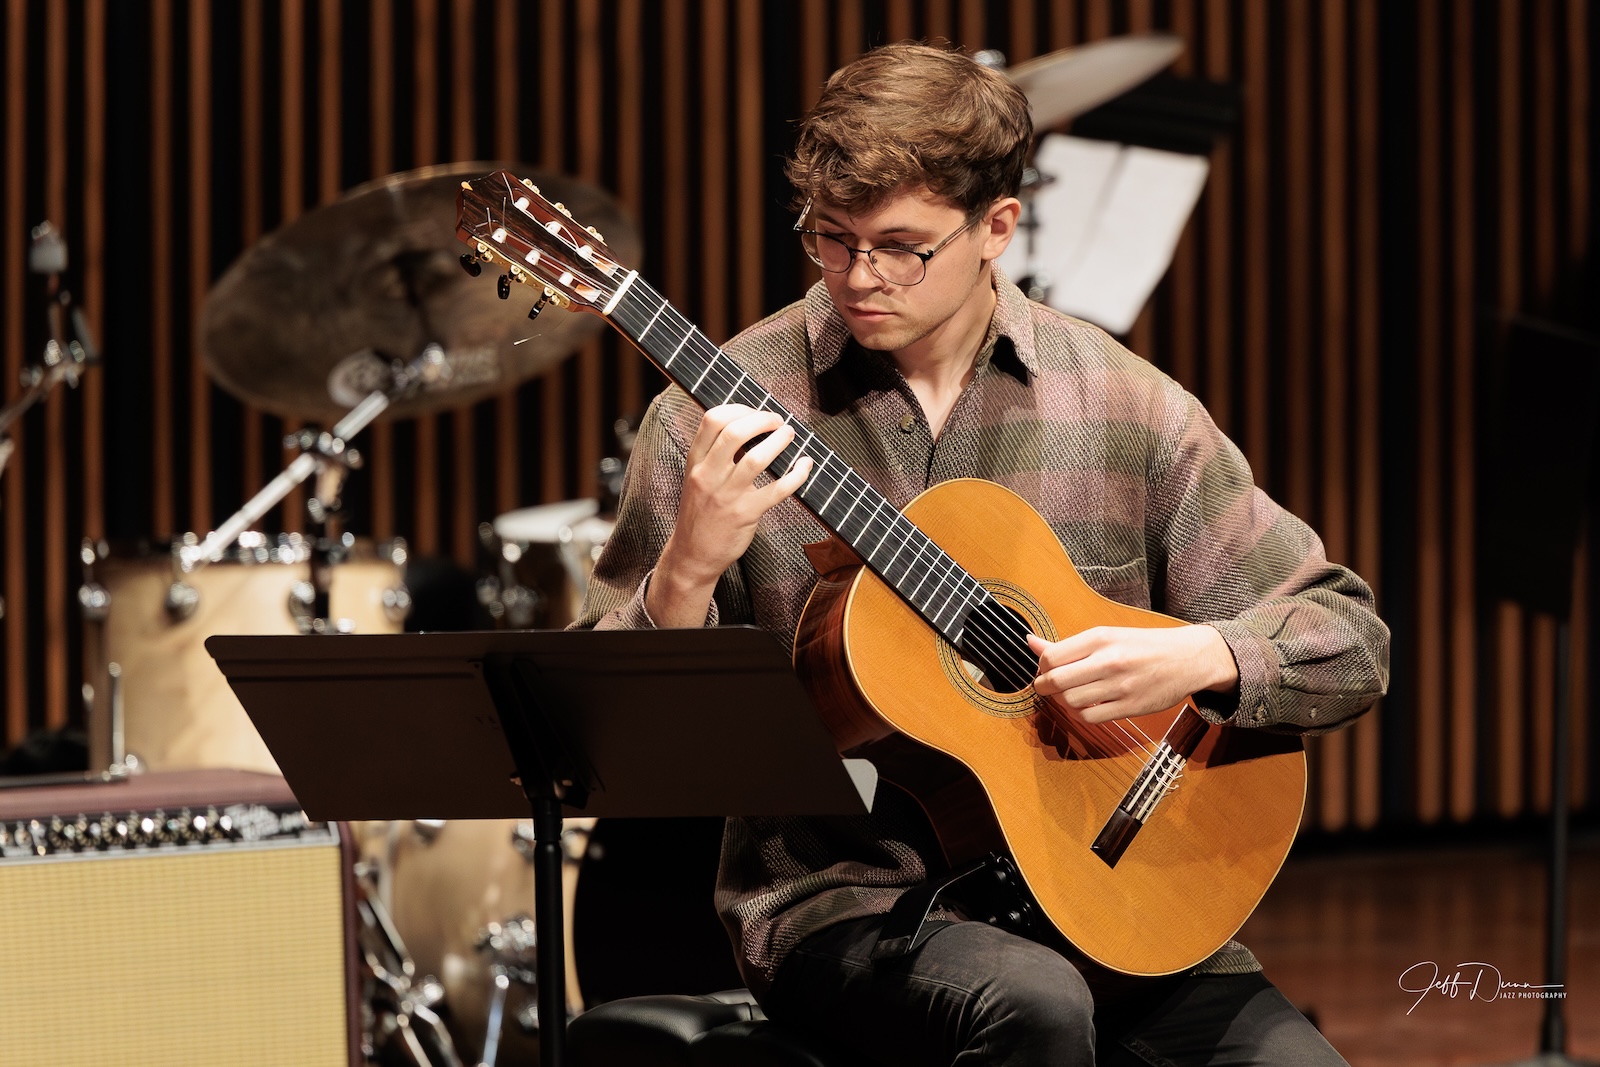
(861, 275)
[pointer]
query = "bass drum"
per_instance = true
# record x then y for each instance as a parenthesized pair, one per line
(636, 895)
(179, 711)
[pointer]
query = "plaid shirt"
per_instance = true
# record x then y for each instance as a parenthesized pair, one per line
(1155, 506)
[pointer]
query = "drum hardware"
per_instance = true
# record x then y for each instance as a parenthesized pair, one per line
(328, 455)
(506, 599)
(305, 321)
(399, 1020)
(510, 948)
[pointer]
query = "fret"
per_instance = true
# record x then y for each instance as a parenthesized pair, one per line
(928, 579)
(653, 319)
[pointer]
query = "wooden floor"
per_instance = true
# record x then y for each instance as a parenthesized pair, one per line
(1337, 933)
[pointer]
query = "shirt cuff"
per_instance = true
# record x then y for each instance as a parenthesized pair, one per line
(635, 616)
(1257, 660)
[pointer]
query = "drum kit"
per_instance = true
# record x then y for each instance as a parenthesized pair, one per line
(356, 310)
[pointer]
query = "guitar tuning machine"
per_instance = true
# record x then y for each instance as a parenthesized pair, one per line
(595, 234)
(544, 298)
(504, 285)
(530, 185)
(563, 209)
(471, 264)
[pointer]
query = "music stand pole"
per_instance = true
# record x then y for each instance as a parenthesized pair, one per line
(548, 778)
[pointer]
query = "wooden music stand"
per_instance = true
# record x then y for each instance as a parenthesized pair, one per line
(598, 723)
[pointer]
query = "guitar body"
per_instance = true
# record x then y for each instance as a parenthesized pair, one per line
(1008, 771)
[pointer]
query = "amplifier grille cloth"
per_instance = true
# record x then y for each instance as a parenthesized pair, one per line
(222, 955)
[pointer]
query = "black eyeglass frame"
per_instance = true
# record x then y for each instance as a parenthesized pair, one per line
(854, 252)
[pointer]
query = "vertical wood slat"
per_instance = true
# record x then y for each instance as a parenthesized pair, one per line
(1463, 637)
(1185, 356)
(1578, 192)
(94, 169)
(291, 92)
(508, 439)
(200, 510)
(751, 242)
(1547, 254)
(16, 544)
(464, 507)
(630, 159)
(1300, 353)
(714, 199)
(54, 638)
(251, 222)
(380, 95)
(1367, 734)
(1255, 135)
(1332, 236)
(591, 135)
(1430, 565)
(552, 72)
(1219, 336)
(163, 516)
(1508, 290)
(425, 146)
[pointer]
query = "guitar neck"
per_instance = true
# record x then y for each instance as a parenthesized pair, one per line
(925, 577)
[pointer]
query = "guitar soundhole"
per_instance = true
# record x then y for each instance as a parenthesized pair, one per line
(993, 665)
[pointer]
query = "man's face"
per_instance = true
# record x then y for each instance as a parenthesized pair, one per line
(893, 318)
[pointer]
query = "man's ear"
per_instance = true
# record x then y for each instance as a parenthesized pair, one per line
(999, 226)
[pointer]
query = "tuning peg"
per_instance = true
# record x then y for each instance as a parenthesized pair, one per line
(563, 209)
(471, 264)
(505, 286)
(530, 185)
(596, 234)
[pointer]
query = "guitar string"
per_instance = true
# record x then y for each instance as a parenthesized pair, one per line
(1011, 655)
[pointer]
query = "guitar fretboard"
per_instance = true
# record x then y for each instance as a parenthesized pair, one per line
(928, 579)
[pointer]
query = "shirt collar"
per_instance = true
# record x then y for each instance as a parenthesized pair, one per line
(1013, 320)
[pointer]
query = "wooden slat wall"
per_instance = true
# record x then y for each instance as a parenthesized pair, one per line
(1399, 172)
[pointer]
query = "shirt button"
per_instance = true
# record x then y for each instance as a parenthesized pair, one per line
(908, 423)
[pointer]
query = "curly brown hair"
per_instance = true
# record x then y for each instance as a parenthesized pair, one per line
(909, 115)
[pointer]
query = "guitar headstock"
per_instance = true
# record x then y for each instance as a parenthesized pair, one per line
(505, 220)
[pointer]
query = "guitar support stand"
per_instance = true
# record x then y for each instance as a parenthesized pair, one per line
(999, 898)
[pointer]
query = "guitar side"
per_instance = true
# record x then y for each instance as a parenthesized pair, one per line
(1007, 770)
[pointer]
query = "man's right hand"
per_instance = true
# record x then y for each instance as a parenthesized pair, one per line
(719, 508)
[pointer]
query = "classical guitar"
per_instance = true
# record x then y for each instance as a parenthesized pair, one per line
(1146, 842)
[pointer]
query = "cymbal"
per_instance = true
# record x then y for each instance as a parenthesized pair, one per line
(1063, 85)
(310, 319)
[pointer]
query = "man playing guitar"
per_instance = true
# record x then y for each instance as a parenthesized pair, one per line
(916, 361)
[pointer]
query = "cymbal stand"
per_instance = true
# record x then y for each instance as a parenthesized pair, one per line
(329, 457)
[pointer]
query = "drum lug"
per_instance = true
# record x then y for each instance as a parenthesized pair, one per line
(182, 601)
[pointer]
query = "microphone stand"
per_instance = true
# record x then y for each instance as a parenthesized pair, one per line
(66, 353)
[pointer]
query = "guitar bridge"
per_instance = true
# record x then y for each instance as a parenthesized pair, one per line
(1158, 778)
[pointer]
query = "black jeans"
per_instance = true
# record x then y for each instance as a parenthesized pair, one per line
(973, 994)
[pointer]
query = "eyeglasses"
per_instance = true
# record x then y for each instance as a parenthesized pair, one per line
(897, 266)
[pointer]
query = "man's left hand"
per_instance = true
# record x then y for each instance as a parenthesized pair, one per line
(1118, 672)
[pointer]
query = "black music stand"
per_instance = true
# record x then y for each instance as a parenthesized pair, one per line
(481, 725)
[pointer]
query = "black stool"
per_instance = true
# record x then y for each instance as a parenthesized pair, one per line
(718, 1030)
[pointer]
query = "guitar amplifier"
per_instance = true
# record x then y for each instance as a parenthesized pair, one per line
(191, 917)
